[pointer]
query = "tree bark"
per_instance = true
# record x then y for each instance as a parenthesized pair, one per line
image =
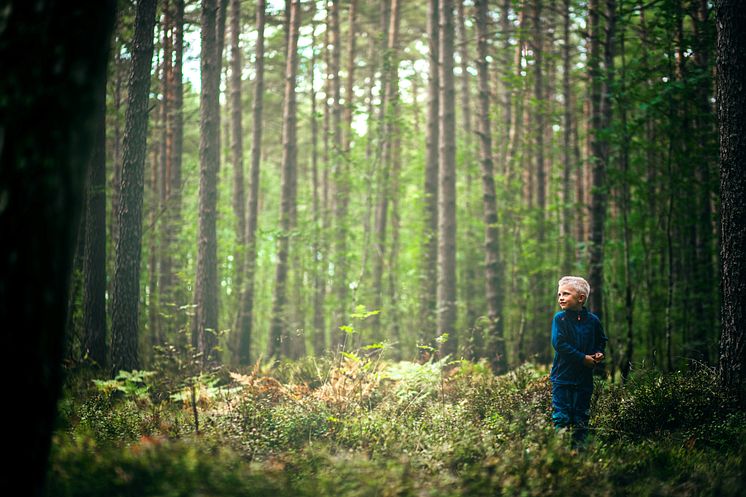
(393, 137)
(626, 205)
(126, 294)
(246, 310)
(705, 277)
(349, 107)
(319, 280)
(176, 294)
(600, 118)
(568, 165)
(341, 181)
(385, 128)
(731, 110)
(447, 184)
(278, 330)
(165, 246)
(94, 258)
(53, 71)
(236, 109)
(205, 324)
(471, 278)
(494, 291)
(429, 271)
(537, 46)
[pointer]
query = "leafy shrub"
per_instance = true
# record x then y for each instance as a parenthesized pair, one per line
(652, 402)
(110, 420)
(376, 428)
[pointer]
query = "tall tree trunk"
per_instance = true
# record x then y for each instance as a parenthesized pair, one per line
(342, 133)
(319, 287)
(626, 205)
(516, 128)
(731, 79)
(506, 83)
(205, 324)
(652, 225)
(447, 183)
(471, 279)
(494, 290)
(349, 107)
(236, 107)
(429, 271)
(61, 84)
(165, 248)
(153, 197)
(246, 308)
(385, 127)
(537, 46)
(126, 294)
(373, 61)
(94, 258)
(222, 124)
(600, 118)
(116, 176)
(568, 165)
(538, 344)
(393, 263)
(704, 134)
(288, 186)
(393, 137)
(154, 204)
(341, 181)
(174, 290)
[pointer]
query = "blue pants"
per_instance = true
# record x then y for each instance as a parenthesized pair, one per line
(571, 409)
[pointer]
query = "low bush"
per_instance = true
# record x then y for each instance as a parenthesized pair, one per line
(368, 427)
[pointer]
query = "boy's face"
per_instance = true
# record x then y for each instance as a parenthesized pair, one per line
(569, 298)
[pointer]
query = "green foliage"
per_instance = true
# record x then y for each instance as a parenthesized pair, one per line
(131, 383)
(652, 403)
(356, 425)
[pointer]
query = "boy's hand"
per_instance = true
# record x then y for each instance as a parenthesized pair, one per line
(589, 361)
(598, 357)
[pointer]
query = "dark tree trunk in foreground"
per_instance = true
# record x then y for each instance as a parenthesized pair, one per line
(205, 325)
(126, 294)
(61, 85)
(447, 183)
(288, 186)
(94, 258)
(494, 292)
(731, 98)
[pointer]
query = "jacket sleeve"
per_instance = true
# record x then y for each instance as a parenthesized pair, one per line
(562, 345)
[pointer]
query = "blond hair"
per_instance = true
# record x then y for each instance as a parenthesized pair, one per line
(577, 283)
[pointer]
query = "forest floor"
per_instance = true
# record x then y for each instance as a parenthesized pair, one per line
(358, 425)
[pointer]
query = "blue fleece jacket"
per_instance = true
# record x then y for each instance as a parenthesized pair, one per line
(575, 334)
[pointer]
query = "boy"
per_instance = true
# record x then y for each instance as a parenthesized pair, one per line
(579, 341)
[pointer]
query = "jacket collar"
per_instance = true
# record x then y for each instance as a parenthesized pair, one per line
(577, 315)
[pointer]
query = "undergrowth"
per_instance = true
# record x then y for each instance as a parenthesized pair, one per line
(358, 425)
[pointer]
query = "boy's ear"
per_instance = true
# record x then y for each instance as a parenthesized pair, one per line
(581, 297)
